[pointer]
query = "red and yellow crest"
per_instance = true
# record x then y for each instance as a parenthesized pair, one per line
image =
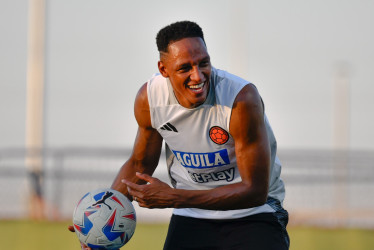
(218, 135)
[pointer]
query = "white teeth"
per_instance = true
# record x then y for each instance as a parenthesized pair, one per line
(197, 86)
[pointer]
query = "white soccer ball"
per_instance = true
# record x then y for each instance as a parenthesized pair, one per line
(104, 219)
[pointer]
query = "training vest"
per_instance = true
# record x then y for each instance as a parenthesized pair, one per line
(200, 151)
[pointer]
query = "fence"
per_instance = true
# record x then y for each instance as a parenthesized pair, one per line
(323, 188)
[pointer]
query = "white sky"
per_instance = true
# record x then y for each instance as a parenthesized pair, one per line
(98, 53)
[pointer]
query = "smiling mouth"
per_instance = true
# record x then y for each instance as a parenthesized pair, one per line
(197, 87)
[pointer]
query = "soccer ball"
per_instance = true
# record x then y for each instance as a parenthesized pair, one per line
(104, 219)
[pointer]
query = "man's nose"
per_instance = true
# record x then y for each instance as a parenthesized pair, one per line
(197, 75)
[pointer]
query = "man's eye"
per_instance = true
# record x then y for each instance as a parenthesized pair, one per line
(184, 69)
(204, 63)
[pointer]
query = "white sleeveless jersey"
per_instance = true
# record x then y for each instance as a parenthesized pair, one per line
(199, 148)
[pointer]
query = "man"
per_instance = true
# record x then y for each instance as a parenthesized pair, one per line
(221, 152)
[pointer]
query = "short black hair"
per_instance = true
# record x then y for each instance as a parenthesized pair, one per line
(175, 32)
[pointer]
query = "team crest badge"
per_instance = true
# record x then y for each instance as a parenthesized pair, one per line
(218, 135)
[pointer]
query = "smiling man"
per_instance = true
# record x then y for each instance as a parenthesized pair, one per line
(221, 152)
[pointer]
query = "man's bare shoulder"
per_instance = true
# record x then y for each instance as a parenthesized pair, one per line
(142, 95)
(247, 112)
(248, 95)
(141, 107)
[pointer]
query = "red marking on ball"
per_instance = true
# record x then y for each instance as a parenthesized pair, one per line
(218, 135)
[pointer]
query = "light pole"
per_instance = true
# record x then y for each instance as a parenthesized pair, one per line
(34, 105)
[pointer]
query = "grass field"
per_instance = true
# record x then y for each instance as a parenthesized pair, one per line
(30, 235)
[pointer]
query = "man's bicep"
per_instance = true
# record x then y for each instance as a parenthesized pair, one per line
(147, 148)
(148, 142)
(248, 129)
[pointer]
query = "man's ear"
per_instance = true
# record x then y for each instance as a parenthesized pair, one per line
(162, 69)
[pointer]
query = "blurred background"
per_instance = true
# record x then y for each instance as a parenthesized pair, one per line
(70, 71)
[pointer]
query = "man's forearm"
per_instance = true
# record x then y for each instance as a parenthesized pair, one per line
(128, 171)
(233, 196)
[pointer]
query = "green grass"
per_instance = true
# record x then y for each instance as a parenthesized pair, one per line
(331, 239)
(54, 235)
(42, 235)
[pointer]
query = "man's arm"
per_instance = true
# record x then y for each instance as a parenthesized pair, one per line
(147, 147)
(253, 159)
(146, 151)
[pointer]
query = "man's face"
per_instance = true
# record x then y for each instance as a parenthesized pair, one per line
(187, 65)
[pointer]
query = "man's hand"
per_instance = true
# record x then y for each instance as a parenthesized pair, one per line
(155, 194)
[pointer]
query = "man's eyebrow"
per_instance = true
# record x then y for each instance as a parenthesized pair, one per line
(183, 65)
(207, 58)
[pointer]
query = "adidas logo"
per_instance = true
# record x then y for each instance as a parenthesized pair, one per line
(169, 127)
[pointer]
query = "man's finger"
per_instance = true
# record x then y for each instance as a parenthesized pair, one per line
(71, 228)
(84, 247)
(145, 177)
(130, 185)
